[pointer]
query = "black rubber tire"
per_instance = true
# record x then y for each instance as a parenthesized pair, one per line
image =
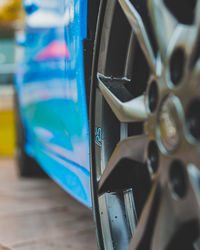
(95, 205)
(26, 165)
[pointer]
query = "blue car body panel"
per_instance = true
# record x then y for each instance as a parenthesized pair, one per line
(51, 90)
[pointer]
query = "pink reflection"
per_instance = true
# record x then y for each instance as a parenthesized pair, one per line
(54, 50)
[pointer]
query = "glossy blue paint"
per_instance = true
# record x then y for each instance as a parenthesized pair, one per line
(51, 91)
(30, 6)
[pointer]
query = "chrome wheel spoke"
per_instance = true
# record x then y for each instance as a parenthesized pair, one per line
(132, 148)
(129, 111)
(138, 27)
(184, 37)
(164, 24)
(165, 223)
(196, 74)
(197, 17)
(178, 229)
(195, 53)
(141, 238)
(130, 55)
(194, 186)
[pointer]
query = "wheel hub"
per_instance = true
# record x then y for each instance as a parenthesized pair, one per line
(169, 125)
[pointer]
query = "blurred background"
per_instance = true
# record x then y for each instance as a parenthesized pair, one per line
(12, 19)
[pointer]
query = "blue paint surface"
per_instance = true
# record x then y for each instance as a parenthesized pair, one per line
(51, 91)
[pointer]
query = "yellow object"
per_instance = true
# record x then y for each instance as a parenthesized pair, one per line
(10, 10)
(7, 133)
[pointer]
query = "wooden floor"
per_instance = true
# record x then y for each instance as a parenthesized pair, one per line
(35, 214)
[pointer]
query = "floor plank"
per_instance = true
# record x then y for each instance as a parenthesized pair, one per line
(36, 214)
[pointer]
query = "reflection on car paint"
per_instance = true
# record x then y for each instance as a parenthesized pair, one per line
(51, 90)
(53, 50)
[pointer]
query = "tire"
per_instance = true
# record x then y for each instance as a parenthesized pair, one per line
(145, 127)
(26, 165)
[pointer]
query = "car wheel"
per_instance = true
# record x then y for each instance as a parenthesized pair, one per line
(145, 125)
(26, 165)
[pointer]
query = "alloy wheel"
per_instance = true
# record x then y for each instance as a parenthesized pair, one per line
(145, 132)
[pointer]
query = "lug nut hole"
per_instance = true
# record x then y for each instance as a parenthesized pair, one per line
(178, 179)
(193, 119)
(153, 96)
(153, 156)
(177, 66)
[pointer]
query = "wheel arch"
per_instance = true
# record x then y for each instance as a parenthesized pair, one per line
(88, 43)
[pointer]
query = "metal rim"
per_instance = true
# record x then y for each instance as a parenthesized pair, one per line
(145, 125)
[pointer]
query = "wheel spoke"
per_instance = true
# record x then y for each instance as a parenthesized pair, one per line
(164, 24)
(195, 75)
(132, 148)
(194, 179)
(196, 50)
(164, 224)
(142, 236)
(130, 55)
(129, 111)
(197, 17)
(179, 227)
(184, 37)
(138, 27)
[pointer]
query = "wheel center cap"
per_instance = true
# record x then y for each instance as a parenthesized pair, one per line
(169, 133)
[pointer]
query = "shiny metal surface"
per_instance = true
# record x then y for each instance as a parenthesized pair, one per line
(170, 215)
